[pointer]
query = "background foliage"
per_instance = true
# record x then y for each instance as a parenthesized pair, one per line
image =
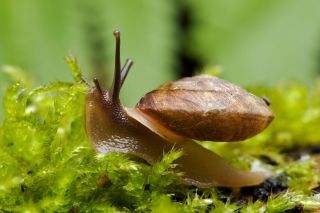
(254, 41)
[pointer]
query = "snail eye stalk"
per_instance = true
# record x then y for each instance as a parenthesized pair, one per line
(116, 85)
(125, 70)
(97, 84)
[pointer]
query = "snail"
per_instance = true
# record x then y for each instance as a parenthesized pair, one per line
(173, 116)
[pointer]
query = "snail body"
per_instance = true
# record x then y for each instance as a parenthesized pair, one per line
(143, 133)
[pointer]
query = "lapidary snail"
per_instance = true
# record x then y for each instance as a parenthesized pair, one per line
(171, 116)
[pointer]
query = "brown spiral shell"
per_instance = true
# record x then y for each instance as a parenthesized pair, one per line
(207, 108)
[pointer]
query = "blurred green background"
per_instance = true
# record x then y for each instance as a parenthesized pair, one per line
(256, 42)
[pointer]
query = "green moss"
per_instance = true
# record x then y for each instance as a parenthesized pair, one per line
(47, 163)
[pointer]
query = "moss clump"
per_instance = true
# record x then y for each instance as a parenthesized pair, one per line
(47, 163)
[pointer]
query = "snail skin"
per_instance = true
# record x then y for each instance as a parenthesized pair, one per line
(201, 108)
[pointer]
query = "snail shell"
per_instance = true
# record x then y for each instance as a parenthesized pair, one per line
(207, 108)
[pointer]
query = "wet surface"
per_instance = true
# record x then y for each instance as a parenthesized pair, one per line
(296, 154)
(296, 209)
(266, 159)
(269, 187)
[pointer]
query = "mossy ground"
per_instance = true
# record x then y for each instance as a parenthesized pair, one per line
(48, 165)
